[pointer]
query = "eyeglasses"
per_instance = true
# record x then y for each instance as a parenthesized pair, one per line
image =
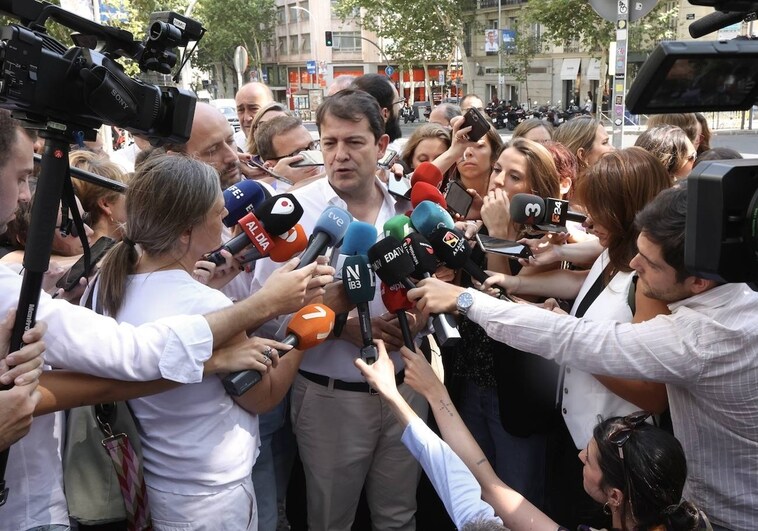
(313, 146)
(399, 101)
(621, 434)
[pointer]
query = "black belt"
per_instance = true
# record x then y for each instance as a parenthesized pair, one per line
(360, 387)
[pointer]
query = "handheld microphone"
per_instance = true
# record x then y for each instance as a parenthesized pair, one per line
(428, 173)
(422, 254)
(329, 230)
(360, 287)
(243, 198)
(715, 21)
(398, 226)
(309, 327)
(427, 216)
(276, 215)
(426, 192)
(549, 215)
(357, 240)
(391, 263)
(396, 300)
(285, 246)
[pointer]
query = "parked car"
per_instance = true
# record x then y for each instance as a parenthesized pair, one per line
(229, 109)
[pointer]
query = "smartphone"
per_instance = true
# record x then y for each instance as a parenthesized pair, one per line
(256, 163)
(458, 199)
(389, 158)
(400, 188)
(477, 121)
(310, 158)
(490, 244)
(78, 271)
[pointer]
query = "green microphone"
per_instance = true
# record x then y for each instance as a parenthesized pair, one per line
(398, 227)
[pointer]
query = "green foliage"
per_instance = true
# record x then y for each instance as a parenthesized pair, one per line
(233, 23)
(518, 56)
(55, 30)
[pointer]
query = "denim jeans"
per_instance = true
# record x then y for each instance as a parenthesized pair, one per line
(51, 527)
(518, 461)
(264, 472)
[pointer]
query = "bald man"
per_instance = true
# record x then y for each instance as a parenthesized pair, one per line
(249, 99)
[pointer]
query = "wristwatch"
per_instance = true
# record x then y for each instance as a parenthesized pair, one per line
(464, 302)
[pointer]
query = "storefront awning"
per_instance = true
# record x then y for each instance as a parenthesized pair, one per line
(570, 69)
(593, 70)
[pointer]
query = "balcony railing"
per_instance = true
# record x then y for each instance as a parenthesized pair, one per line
(483, 4)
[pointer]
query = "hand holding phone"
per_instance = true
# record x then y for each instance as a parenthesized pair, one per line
(509, 248)
(458, 199)
(310, 158)
(78, 271)
(478, 123)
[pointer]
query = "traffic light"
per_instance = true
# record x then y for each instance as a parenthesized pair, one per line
(328, 36)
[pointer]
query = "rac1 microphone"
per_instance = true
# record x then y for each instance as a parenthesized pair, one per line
(276, 215)
(426, 192)
(426, 172)
(427, 216)
(360, 287)
(396, 300)
(309, 327)
(243, 198)
(329, 230)
(549, 215)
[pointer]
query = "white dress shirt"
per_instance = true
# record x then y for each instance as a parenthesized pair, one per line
(706, 352)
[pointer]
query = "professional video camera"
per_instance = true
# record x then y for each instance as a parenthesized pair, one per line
(721, 240)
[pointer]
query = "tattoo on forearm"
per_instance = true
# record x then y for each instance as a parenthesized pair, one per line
(445, 406)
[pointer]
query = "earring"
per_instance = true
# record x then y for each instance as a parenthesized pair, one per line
(607, 508)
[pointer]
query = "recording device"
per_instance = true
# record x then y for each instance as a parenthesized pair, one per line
(311, 157)
(400, 187)
(242, 198)
(458, 199)
(360, 287)
(422, 254)
(509, 248)
(426, 192)
(276, 215)
(309, 327)
(549, 215)
(358, 238)
(398, 226)
(427, 172)
(329, 230)
(395, 299)
(285, 246)
(427, 216)
(256, 163)
(389, 158)
(80, 270)
(478, 122)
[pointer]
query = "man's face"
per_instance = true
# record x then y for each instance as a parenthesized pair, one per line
(249, 100)
(292, 142)
(437, 116)
(472, 102)
(212, 141)
(657, 278)
(350, 154)
(14, 179)
(393, 118)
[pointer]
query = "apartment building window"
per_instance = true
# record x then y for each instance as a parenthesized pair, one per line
(348, 41)
(294, 44)
(280, 15)
(303, 14)
(306, 42)
(492, 23)
(282, 48)
(355, 13)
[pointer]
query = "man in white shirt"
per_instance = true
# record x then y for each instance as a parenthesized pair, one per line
(346, 435)
(250, 98)
(706, 352)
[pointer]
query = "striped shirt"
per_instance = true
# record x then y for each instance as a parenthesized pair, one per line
(706, 352)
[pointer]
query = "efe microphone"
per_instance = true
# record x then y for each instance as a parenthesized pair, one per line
(310, 326)
(242, 198)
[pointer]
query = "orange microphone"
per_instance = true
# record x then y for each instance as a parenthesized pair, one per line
(289, 244)
(309, 327)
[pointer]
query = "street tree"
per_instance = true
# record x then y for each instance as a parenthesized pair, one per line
(519, 53)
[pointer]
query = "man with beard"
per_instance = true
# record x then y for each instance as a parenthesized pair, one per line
(384, 92)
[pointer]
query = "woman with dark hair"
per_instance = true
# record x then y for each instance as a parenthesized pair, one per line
(705, 134)
(670, 145)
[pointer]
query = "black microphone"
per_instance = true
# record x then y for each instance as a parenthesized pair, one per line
(329, 230)
(360, 287)
(715, 21)
(391, 262)
(422, 254)
(358, 238)
(549, 215)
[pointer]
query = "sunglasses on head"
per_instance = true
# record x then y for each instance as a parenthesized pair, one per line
(623, 431)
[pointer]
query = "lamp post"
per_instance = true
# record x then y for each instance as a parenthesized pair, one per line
(500, 76)
(314, 45)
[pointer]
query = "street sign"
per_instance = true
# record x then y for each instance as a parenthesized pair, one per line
(389, 71)
(311, 66)
(441, 77)
(240, 59)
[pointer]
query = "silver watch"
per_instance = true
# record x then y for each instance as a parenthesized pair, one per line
(464, 302)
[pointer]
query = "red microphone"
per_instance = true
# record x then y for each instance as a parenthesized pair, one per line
(309, 327)
(395, 298)
(423, 191)
(428, 173)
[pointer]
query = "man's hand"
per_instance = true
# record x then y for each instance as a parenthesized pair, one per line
(16, 409)
(380, 375)
(255, 353)
(434, 296)
(24, 366)
(287, 289)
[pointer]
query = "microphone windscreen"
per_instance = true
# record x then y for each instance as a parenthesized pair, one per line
(398, 226)
(279, 213)
(311, 325)
(333, 222)
(527, 209)
(422, 254)
(358, 238)
(242, 198)
(358, 279)
(426, 192)
(427, 172)
(428, 215)
(288, 244)
(389, 260)
(395, 298)
(450, 247)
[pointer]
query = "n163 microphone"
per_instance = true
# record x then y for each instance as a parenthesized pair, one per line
(427, 216)
(329, 230)
(357, 240)
(398, 226)
(395, 298)
(549, 215)
(426, 192)
(309, 327)
(243, 198)
(426, 172)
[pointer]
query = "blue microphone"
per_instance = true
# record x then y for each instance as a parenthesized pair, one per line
(428, 216)
(360, 236)
(329, 230)
(241, 199)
